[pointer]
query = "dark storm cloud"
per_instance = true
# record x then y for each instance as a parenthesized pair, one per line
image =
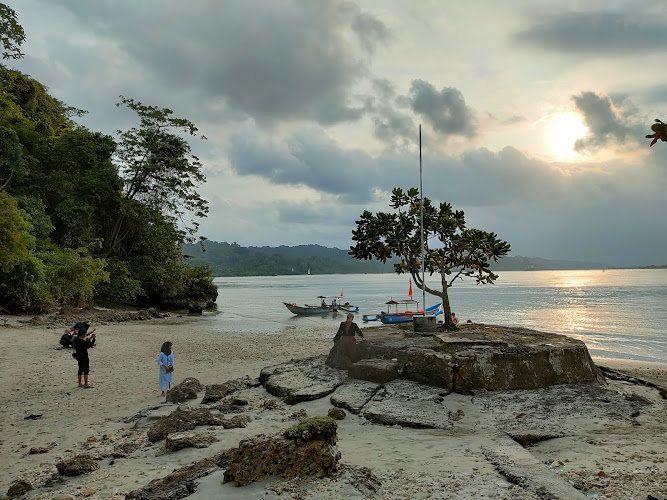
(445, 110)
(608, 33)
(606, 123)
(272, 60)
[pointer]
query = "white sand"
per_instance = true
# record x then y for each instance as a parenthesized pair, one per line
(37, 377)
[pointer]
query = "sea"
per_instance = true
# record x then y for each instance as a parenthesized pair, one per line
(618, 313)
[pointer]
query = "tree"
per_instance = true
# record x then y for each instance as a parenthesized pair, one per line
(463, 251)
(659, 129)
(11, 33)
(159, 169)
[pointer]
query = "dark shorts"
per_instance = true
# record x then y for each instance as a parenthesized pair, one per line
(84, 365)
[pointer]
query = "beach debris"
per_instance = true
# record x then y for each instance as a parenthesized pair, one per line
(184, 391)
(179, 440)
(77, 465)
(18, 488)
(306, 449)
(336, 413)
(216, 392)
(298, 415)
(33, 416)
(180, 421)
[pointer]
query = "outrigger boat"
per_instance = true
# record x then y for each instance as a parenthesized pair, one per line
(323, 308)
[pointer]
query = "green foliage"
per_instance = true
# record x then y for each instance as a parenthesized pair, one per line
(121, 286)
(11, 33)
(71, 276)
(158, 167)
(460, 251)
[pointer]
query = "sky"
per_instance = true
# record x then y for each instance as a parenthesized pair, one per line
(533, 114)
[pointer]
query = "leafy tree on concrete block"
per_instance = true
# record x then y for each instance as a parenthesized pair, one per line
(457, 250)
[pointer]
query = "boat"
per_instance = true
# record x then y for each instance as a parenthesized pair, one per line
(323, 308)
(404, 316)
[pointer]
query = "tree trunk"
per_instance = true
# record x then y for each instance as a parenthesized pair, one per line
(447, 310)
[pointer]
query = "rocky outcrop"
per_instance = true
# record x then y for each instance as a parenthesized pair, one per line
(301, 380)
(184, 391)
(303, 450)
(77, 465)
(472, 358)
(180, 421)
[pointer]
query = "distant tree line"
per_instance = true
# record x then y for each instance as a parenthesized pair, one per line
(87, 216)
(231, 259)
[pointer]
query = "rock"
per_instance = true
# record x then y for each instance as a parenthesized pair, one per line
(18, 488)
(122, 450)
(187, 389)
(471, 358)
(236, 422)
(180, 483)
(655, 496)
(216, 392)
(379, 371)
(180, 421)
(407, 404)
(63, 496)
(41, 449)
(303, 450)
(336, 414)
(298, 415)
(529, 439)
(353, 395)
(301, 380)
(77, 465)
(179, 440)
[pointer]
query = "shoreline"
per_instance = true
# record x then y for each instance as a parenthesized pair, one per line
(39, 378)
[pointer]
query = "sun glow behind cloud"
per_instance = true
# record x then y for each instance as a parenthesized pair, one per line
(564, 130)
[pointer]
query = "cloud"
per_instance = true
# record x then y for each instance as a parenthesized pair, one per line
(445, 110)
(272, 60)
(598, 32)
(606, 122)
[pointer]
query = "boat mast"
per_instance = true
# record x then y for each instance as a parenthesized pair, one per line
(421, 207)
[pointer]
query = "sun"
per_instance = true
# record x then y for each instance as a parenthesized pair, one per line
(565, 129)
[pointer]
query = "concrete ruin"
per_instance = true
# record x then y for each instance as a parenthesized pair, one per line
(474, 357)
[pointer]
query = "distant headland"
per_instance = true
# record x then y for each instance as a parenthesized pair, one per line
(232, 259)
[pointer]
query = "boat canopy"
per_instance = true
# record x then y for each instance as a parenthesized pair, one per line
(396, 303)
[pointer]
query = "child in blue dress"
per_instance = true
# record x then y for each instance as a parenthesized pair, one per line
(165, 361)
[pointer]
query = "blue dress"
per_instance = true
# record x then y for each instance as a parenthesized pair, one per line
(165, 377)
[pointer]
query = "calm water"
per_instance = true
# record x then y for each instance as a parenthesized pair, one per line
(618, 313)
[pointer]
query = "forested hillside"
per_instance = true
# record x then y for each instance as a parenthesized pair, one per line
(231, 259)
(84, 215)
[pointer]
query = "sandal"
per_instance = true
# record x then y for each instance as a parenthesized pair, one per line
(88, 386)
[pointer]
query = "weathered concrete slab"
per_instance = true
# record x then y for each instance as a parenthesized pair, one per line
(408, 404)
(301, 380)
(353, 395)
(474, 357)
(379, 371)
(521, 468)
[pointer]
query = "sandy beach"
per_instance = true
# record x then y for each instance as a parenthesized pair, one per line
(601, 456)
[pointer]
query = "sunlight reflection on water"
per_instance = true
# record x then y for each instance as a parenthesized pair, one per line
(618, 313)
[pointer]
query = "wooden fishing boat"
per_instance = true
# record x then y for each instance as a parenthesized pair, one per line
(324, 308)
(404, 316)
